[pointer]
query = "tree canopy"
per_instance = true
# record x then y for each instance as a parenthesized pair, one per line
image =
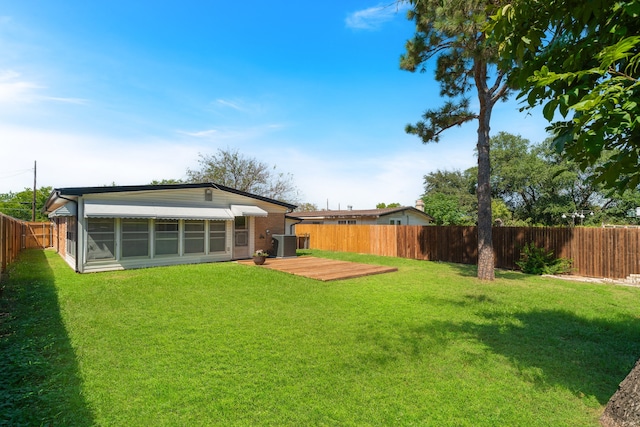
(580, 60)
(532, 184)
(383, 205)
(452, 33)
(450, 197)
(231, 168)
(20, 205)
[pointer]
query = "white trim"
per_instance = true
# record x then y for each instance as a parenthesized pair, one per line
(100, 209)
(248, 210)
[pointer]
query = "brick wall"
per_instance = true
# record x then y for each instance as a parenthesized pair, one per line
(275, 223)
(60, 236)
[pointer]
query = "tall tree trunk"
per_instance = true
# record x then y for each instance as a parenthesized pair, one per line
(623, 409)
(486, 262)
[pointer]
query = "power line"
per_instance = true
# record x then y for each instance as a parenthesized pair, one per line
(16, 173)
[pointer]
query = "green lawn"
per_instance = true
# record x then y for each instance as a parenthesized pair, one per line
(232, 345)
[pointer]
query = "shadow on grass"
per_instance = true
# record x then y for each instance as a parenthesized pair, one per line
(39, 382)
(471, 270)
(554, 347)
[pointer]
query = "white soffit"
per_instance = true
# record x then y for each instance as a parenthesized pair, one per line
(108, 210)
(247, 210)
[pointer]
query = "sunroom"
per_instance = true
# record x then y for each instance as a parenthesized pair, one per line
(110, 228)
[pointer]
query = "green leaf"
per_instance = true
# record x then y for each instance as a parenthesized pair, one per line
(549, 110)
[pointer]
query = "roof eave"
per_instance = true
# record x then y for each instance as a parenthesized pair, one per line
(81, 191)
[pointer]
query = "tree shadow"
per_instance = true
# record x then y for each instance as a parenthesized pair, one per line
(40, 381)
(470, 270)
(554, 347)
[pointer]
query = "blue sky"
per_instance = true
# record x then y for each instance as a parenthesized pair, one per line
(126, 92)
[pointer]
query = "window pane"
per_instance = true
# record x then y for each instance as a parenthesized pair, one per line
(241, 223)
(71, 237)
(135, 238)
(217, 236)
(194, 237)
(217, 244)
(194, 246)
(194, 226)
(217, 226)
(101, 238)
(101, 225)
(131, 225)
(135, 248)
(167, 238)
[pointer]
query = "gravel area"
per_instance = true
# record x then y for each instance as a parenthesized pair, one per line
(624, 282)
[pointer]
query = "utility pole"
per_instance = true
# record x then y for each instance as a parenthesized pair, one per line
(33, 206)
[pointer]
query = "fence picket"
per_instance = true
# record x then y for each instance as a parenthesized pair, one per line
(596, 252)
(16, 235)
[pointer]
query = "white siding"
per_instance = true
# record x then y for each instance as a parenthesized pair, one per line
(188, 197)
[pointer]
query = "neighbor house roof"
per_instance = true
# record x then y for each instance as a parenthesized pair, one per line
(64, 193)
(351, 213)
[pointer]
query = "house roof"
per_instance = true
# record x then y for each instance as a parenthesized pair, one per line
(372, 213)
(66, 192)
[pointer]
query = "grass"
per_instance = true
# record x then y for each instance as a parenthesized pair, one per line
(233, 345)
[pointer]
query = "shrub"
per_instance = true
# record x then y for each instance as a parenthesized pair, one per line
(535, 260)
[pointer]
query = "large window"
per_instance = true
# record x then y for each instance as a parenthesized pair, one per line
(135, 238)
(217, 236)
(194, 237)
(167, 238)
(101, 238)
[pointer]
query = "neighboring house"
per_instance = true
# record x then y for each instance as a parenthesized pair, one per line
(122, 227)
(404, 215)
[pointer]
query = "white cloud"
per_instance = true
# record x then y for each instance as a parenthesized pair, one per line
(78, 101)
(69, 159)
(362, 180)
(373, 18)
(336, 178)
(15, 90)
(255, 133)
(230, 104)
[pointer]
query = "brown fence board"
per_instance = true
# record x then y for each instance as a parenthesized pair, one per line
(37, 235)
(10, 237)
(596, 252)
(16, 235)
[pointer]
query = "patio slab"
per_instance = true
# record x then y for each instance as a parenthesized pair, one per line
(321, 268)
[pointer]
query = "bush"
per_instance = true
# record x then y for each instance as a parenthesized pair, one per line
(535, 260)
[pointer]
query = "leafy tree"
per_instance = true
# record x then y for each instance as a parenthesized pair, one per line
(19, 205)
(452, 32)
(445, 209)
(232, 169)
(461, 184)
(620, 208)
(581, 61)
(307, 207)
(390, 205)
(532, 184)
(458, 186)
(166, 181)
(517, 172)
(501, 213)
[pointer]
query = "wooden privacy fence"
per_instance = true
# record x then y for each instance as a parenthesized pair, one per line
(16, 235)
(596, 252)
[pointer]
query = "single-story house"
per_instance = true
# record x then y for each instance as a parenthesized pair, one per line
(123, 227)
(403, 215)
